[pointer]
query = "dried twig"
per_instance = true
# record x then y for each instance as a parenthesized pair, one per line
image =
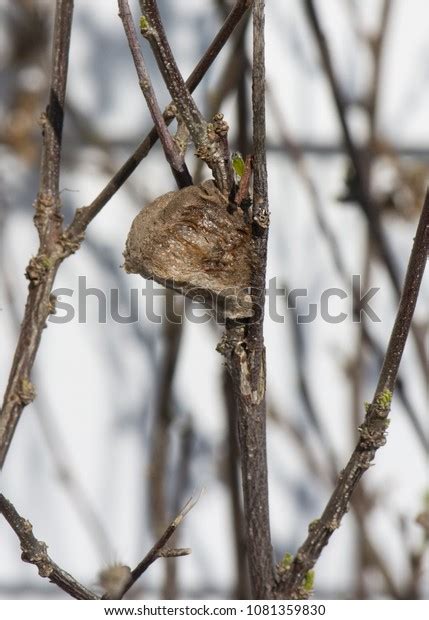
(242, 586)
(172, 153)
(160, 549)
(372, 432)
(232, 80)
(153, 30)
(42, 268)
(36, 552)
(210, 139)
(85, 215)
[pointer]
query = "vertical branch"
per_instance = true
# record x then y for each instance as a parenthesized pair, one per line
(376, 44)
(52, 120)
(162, 421)
(233, 79)
(241, 589)
(243, 346)
(42, 268)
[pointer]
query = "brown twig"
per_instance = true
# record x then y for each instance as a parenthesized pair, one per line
(244, 349)
(232, 80)
(242, 586)
(35, 552)
(372, 432)
(172, 153)
(210, 139)
(153, 31)
(159, 549)
(85, 215)
(42, 269)
(326, 477)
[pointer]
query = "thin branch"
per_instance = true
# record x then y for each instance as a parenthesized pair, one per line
(55, 445)
(187, 109)
(318, 471)
(372, 432)
(42, 269)
(230, 82)
(376, 44)
(52, 120)
(159, 549)
(85, 215)
(172, 153)
(210, 139)
(35, 552)
(160, 448)
(242, 587)
(364, 198)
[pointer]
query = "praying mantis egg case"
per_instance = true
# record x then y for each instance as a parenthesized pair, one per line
(188, 240)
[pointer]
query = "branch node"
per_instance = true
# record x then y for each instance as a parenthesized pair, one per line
(27, 392)
(69, 243)
(37, 268)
